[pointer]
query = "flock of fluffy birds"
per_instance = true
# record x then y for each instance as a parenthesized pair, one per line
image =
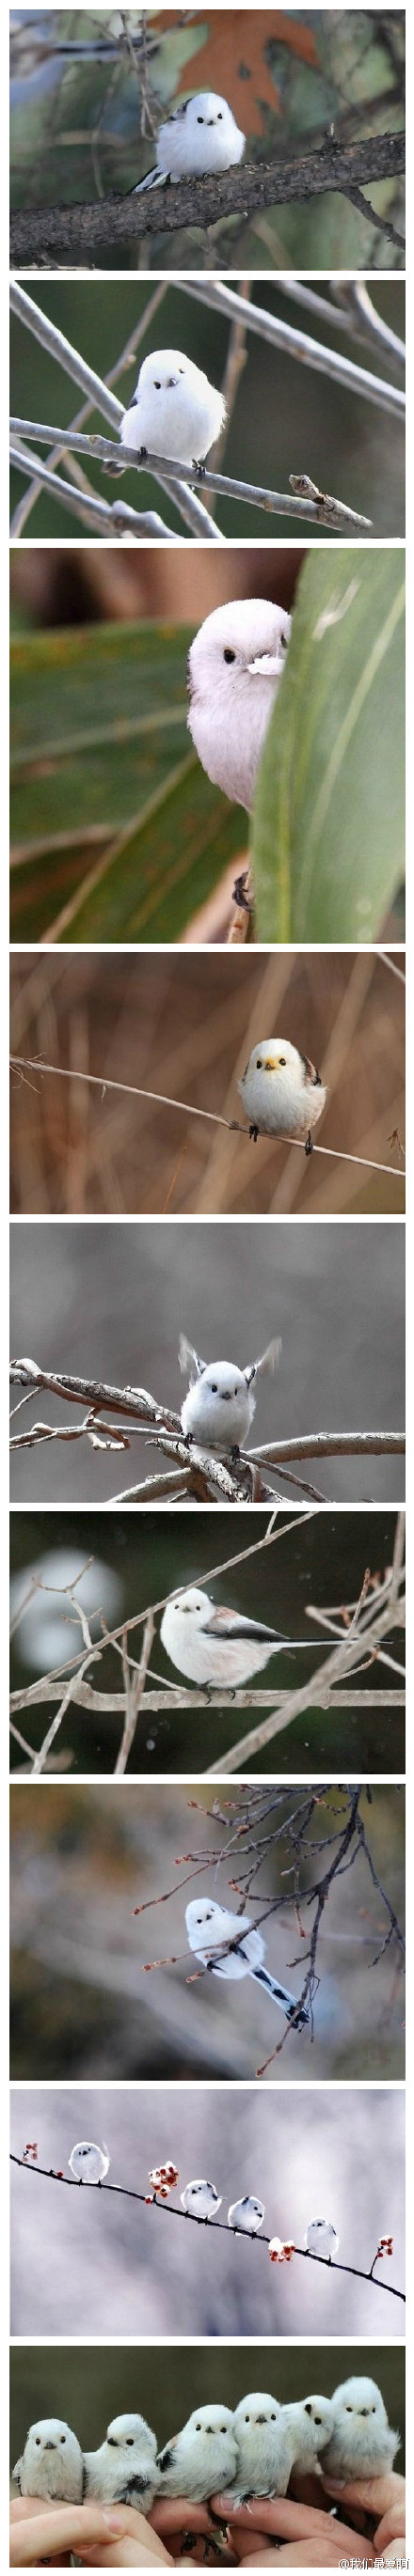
(248, 2452)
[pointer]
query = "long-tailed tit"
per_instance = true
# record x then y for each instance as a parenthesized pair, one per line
(264, 2448)
(51, 2463)
(201, 2199)
(310, 2424)
(246, 2215)
(124, 2469)
(175, 412)
(211, 1927)
(362, 2444)
(202, 2458)
(214, 1646)
(321, 2238)
(219, 1408)
(89, 2163)
(235, 666)
(281, 1091)
(200, 137)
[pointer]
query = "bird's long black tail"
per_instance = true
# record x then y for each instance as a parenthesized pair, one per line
(282, 1997)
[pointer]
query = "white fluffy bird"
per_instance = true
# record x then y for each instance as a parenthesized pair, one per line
(201, 2200)
(124, 2469)
(214, 1646)
(282, 1092)
(321, 2238)
(235, 666)
(88, 2162)
(210, 1927)
(51, 2463)
(310, 2424)
(175, 412)
(202, 2457)
(200, 137)
(246, 2215)
(362, 2444)
(219, 1407)
(264, 2448)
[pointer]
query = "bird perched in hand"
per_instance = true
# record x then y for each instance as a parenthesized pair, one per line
(362, 2444)
(321, 2238)
(51, 2463)
(235, 666)
(200, 137)
(89, 2163)
(200, 2200)
(175, 412)
(124, 2470)
(219, 1408)
(210, 1929)
(202, 2458)
(246, 2215)
(264, 2448)
(310, 2424)
(214, 1646)
(281, 1092)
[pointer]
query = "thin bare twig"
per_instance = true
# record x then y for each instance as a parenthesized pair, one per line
(124, 2191)
(136, 1091)
(310, 504)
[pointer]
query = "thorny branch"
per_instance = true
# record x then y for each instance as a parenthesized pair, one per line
(86, 228)
(364, 1625)
(124, 2191)
(250, 1837)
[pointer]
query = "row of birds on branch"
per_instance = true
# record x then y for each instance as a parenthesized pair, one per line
(238, 2454)
(90, 2163)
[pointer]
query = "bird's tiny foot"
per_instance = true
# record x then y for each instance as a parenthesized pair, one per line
(142, 453)
(235, 1454)
(309, 1144)
(239, 891)
(199, 468)
(253, 1132)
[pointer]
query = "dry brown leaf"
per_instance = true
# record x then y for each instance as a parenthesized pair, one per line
(232, 60)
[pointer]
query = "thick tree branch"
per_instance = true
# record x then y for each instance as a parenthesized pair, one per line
(198, 1470)
(86, 229)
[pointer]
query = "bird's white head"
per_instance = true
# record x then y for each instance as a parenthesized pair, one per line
(255, 2410)
(359, 2399)
(246, 640)
(210, 2419)
(129, 2433)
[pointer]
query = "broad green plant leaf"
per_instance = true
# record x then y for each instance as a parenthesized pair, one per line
(327, 842)
(116, 832)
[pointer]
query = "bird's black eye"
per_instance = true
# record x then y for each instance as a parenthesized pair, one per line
(228, 656)
(282, 1059)
(62, 2437)
(129, 2441)
(283, 640)
(112, 2443)
(349, 2410)
(258, 1064)
(198, 2426)
(247, 2419)
(181, 371)
(214, 1387)
(236, 1390)
(219, 122)
(317, 2419)
(157, 385)
(200, 121)
(37, 2441)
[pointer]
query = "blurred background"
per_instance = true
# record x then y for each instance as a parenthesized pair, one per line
(112, 1299)
(83, 1859)
(90, 2385)
(283, 416)
(88, 92)
(80, 2260)
(321, 1560)
(185, 1025)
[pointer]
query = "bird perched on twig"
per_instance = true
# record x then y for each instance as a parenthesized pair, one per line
(218, 1647)
(124, 2469)
(51, 2463)
(311, 2424)
(199, 138)
(281, 1092)
(202, 2458)
(175, 411)
(321, 2238)
(201, 2200)
(362, 2443)
(89, 2163)
(210, 1930)
(235, 666)
(219, 1407)
(264, 2448)
(246, 2215)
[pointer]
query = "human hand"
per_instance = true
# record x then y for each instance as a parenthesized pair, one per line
(174, 2516)
(383, 2496)
(312, 2538)
(100, 2537)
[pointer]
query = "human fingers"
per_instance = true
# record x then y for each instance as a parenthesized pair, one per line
(175, 2514)
(287, 2519)
(392, 2527)
(322, 2543)
(39, 2535)
(376, 2495)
